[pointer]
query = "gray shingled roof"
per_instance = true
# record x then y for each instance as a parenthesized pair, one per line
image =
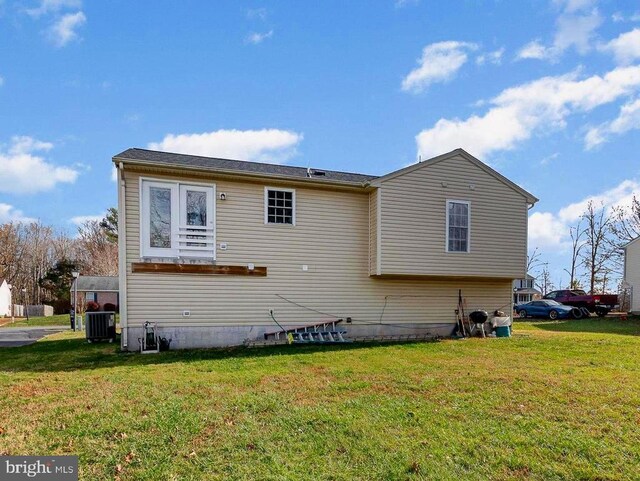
(98, 283)
(241, 166)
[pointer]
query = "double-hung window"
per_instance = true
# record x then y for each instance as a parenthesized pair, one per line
(279, 206)
(177, 220)
(458, 226)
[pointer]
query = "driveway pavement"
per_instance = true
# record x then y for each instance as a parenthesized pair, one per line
(23, 336)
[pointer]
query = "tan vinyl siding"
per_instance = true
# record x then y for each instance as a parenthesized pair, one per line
(413, 234)
(331, 236)
(632, 273)
(373, 232)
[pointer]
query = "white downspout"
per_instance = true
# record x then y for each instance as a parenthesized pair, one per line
(122, 255)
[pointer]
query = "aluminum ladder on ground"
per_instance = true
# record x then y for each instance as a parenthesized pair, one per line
(318, 337)
(321, 332)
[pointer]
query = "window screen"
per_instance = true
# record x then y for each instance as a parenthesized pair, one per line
(279, 207)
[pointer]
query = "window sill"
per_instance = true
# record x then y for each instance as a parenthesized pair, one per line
(178, 260)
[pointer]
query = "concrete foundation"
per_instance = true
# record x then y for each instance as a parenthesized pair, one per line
(188, 337)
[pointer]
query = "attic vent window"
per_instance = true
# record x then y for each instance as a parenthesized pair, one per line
(280, 206)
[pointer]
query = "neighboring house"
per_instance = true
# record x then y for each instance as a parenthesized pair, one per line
(209, 247)
(632, 272)
(99, 289)
(5, 298)
(524, 290)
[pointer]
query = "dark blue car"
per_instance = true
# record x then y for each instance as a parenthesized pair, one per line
(544, 308)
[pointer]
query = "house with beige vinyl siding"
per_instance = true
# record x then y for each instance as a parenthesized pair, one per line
(632, 273)
(211, 249)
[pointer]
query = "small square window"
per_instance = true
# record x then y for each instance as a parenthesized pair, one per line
(280, 206)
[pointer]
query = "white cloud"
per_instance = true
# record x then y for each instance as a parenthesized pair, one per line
(575, 27)
(551, 230)
(546, 230)
(1, 80)
(628, 119)
(494, 57)
(576, 31)
(533, 49)
(625, 48)
(63, 30)
(519, 112)
(52, 6)
(549, 158)
(9, 213)
(255, 38)
(266, 145)
(620, 195)
(405, 3)
(22, 171)
(439, 62)
(257, 14)
(81, 219)
(618, 17)
(114, 174)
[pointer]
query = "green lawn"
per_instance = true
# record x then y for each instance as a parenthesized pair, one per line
(559, 400)
(57, 320)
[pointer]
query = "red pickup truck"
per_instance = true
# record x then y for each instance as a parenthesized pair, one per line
(601, 304)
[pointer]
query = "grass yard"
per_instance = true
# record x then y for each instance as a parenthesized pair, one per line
(559, 400)
(57, 320)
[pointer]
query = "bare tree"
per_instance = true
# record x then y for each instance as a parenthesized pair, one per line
(626, 221)
(533, 260)
(598, 252)
(577, 243)
(98, 255)
(543, 280)
(13, 249)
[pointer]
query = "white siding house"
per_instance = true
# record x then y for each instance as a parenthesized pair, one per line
(5, 298)
(632, 272)
(524, 290)
(211, 248)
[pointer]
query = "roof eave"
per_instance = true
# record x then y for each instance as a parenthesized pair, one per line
(236, 173)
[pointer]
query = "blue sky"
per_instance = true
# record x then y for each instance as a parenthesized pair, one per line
(545, 91)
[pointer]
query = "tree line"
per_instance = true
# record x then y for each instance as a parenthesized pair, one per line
(596, 245)
(38, 261)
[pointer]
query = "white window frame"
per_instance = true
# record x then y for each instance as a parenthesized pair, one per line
(94, 296)
(446, 244)
(178, 201)
(266, 205)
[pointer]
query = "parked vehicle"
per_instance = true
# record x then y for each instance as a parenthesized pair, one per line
(601, 304)
(545, 308)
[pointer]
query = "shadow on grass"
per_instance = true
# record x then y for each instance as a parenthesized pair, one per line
(629, 327)
(56, 355)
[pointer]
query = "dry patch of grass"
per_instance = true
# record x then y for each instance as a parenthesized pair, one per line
(557, 401)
